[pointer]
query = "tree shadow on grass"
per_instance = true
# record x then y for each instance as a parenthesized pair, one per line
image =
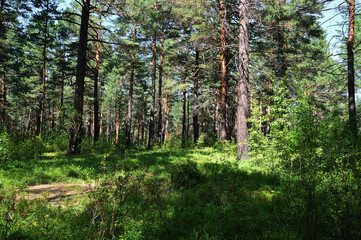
(226, 203)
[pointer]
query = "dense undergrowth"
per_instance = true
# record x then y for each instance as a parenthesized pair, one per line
(301, 182)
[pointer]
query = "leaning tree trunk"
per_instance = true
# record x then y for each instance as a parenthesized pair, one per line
(77, 130)
(242, 106)
(350, 69)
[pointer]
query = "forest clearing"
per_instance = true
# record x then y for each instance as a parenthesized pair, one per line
(180, 119)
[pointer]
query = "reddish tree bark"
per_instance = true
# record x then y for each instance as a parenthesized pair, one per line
(350, 68)
(224, 106)
(3, 98)
(77, 129)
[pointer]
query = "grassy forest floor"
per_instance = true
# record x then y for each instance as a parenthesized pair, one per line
(165, 193)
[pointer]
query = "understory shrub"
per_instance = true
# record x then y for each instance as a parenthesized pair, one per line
(16, 148)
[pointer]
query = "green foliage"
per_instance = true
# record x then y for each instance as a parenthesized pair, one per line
(13, 148)
(185, 175)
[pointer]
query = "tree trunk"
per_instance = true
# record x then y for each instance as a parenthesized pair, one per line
(184, 119)
(184, 103)
(77, 130)
(188, 120)
(154, 68)
(28, 127)
(160, 89)
(196, 102)
(207, 122)
(350, 69)
(166, 119)
(62, 109)
(242, 106)
(224, 81)
(216, 111)
(3, 99)
(128, 120)
(43, 77)
(3, 86)
(142, 135)
(109, 122)
(95, 87)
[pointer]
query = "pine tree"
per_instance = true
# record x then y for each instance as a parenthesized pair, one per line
(76, 132)
(242, 91)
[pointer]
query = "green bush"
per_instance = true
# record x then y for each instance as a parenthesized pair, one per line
(185, 175)
(16, 148)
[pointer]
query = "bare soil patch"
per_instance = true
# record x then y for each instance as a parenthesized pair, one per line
(56, 193)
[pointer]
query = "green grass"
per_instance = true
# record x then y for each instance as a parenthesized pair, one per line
(168, 193)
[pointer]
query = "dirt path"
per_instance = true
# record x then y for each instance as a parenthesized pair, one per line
(56, 193)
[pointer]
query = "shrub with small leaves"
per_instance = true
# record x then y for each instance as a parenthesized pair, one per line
(185, 175)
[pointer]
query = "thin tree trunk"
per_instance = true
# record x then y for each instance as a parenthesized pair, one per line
(3, 98)
(128, 119)
(196, 102)
(350, 68)
(43, 77)
(95, 87)
(242, 106)
(216, 111)
(142, 135)
(224, 132)
(3, 86)
(154, 69)
(77, 130)
(184, 102)
(184, 119)
(166, 119)
(109, 122)
(160, 90)
(62, 109)
(28, 128)
(207, 122)
(188, 120)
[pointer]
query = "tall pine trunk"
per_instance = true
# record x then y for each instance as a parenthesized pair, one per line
(77, 130)
(160, 89)
(224, 77)
(350, 68)
(216, 111)
(95, 87)
(184, 104)
(196, 101)
(242, 106)
(152, 103)
(128, 120)
(43, 77)
(3, 85)
(3, 98)
(166, 120)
